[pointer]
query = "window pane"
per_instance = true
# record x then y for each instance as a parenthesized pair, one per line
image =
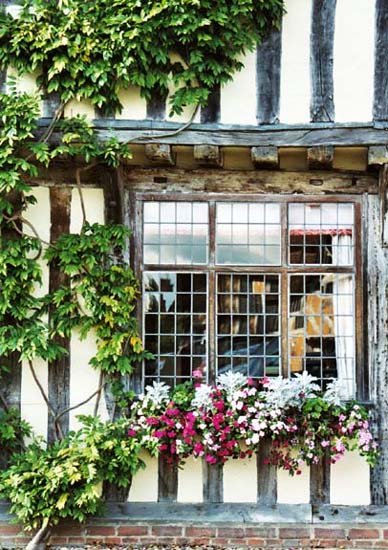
(321, 234)
(248, 234)
(321, 327)
(248, 324)
(175, 325)
(181, 235)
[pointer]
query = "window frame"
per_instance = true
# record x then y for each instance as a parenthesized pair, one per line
(284, 269)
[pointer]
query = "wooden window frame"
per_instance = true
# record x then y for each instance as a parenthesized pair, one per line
(136, 223)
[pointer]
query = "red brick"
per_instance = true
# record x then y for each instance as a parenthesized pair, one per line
(364, 534)
(132, 530)
(200, 531)
(69, 529)
(167, 530)
(58, 540)
(76, 540)
(363, 543)
(293, 533)
(256, 542)
(10, 530)
(260, 532)
(100, 531)
(321, 533)
(112, 540)
(130, 540)
(231, 532)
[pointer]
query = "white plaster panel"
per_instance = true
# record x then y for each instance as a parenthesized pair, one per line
(240, 480)
(134, 106)
(94, 206)
(239, 97)
(144, 486)
(293, 489)
(190, 481)
(33, 406)
(295, 62)
(354, 60)
(84, 107)
(84, 380)
(349, 480)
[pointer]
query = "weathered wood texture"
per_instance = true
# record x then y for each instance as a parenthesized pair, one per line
(156, 106)
(377, 288)
(59, 370)
(213, 482)
(380, 107)
(320, 482)
(268, 64)
(320, 158)
(377, 155)
(266, 476)
(167, 481)
(265, 157)
(281, 135)
(211, 112)
(208, 155)
(51, 102)
(383, 193)
(225, 181)
(160, 154)
(321, 60)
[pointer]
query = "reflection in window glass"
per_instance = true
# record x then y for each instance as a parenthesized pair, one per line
(175, 233)
(321, 234)
(175, 325)
(321, 327)
(248, 324)
(248, 234)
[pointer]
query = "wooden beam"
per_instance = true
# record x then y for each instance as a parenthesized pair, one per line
(321, 60)
(377, 155)
(320, 158)
(50, 104)
(266, 476)
(265, 157)
(159, 154)
(156, 105)
(237, 181)
(226, 135)
(320, 482)
(268, 65)
(213, 484)
(211, 112)
(380, 107)
(59, 370)
(167, 481)
(383, 194)
(208, 155)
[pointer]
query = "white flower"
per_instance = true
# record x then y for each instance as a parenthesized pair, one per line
(202, 397)
(231, 382)
(290, 392)
(157, 393)
(335, 392)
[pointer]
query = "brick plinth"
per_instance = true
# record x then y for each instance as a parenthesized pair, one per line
(134, 534)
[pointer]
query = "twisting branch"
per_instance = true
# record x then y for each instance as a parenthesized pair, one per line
(98, 390)
(4, 402)
(79, 187)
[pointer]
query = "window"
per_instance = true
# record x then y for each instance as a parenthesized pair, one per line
(263, 286)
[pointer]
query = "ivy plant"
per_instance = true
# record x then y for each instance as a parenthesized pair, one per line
(93, 49)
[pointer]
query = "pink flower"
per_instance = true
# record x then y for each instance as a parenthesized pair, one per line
(198, 448)
(152, 421)
(197, 373)
(131, 432)
(211, 459)
(325, 443)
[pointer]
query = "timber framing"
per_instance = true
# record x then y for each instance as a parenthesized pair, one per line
(226, 135)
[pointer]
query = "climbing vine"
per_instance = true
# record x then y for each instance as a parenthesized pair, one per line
(89, 51)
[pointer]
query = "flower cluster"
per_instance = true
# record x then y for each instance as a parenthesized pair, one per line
(230, 419)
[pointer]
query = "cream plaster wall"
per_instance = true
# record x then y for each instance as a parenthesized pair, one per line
(240, 480)
(294, 489)
(238, 98)
(144, 486)
(295, 62)
(350, 479)
(190, 481)
(354, 60)
(134, 106)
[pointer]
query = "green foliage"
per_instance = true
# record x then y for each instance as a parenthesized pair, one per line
(101, 296)
(91, 50)
(12, 430)
(64, 480)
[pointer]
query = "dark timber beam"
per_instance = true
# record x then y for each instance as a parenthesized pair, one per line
(380, 108)
(156, 106)
(268, 65)
(267, 492)
(211, 112)
(59, 370)
(321, 60)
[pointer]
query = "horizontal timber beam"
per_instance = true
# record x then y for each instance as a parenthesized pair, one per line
(279, 135)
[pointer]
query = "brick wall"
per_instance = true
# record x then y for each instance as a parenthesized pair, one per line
(129, 534)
